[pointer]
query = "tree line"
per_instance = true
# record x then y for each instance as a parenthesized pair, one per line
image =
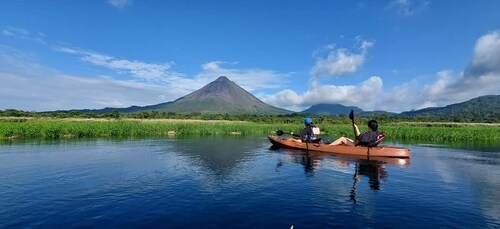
(266, 119)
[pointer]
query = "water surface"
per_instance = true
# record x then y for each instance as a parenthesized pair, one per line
(239, 182)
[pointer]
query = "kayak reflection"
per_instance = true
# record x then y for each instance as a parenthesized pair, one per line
(373, 168)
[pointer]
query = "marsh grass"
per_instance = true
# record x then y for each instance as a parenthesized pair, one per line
(84, 128)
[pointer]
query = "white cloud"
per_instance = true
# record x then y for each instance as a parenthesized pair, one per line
(163, 74)
(16, 32)
(284, 98)
(54, 91)
(447, 88)
(363, 95)
(24, 34)
(341, 61)
(150, 83)
(408, 7)
(28, 85)
(486, 58)
(443, 82)
(120, 4)
(249, 79)
(481, 77)
(151, 72)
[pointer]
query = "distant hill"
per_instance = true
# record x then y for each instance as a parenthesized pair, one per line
(480, 109)
(222, 96)
(128, 109)
(377, 113)
(484, 108)
(330, 109)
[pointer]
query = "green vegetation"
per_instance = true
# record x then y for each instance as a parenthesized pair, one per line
(264, 119)
(68, 128)
(485, 109)
(332, 127)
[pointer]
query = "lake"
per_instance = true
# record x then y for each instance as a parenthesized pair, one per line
(240, 182)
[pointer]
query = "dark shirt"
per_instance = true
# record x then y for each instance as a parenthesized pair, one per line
(370, 138)
(307, 131)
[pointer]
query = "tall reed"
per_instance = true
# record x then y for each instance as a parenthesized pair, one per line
(69, 128)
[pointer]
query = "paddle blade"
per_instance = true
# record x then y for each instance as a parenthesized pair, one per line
(351, 115)
(279, 132)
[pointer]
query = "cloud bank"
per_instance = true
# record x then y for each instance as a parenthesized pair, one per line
(164, 74)
(34, 87)
(27, 85)
(362, 94)
(481, 77)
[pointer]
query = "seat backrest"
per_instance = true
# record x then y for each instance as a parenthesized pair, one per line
(316, 131)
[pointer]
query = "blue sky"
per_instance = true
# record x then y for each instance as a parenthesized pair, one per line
(393, 55)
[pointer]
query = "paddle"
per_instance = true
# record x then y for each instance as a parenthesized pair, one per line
(281, 132)
(351, 116)
(307, 144)
(356, 180)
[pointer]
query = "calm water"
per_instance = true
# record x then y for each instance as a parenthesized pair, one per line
(242, 183)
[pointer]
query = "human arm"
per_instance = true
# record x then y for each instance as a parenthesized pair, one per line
(356, 130)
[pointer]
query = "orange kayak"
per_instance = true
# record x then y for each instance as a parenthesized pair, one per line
(378, 151)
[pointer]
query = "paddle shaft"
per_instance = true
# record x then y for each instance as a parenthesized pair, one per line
(351, 116)
(307, 144)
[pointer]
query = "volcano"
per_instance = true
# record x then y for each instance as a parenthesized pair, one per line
(222, 96)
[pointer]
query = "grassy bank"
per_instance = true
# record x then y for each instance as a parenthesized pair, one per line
(23, 128)
(79, 128)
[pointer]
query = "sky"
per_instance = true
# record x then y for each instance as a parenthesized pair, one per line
(392, 55)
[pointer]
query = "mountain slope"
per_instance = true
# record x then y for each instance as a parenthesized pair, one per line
(484, 108)
(130, 109)
(222, 96)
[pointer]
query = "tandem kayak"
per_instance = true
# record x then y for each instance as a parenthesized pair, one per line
(378, 151)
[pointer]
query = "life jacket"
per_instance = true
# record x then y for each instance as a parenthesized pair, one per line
(313, 133)
(370, 138)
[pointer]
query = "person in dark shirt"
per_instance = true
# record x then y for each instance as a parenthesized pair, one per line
(369, 138)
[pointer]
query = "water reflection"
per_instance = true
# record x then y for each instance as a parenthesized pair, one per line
(373, 168)
(219, 155)
(310, 162)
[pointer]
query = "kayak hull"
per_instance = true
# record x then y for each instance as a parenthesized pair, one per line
(378, 151)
